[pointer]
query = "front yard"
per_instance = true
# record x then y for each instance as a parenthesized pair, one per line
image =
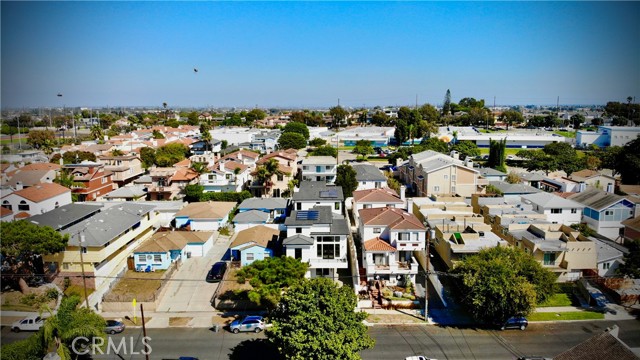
(233, 295)
(33, 301)
(569, 315)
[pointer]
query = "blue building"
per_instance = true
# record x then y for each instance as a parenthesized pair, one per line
(256, 243)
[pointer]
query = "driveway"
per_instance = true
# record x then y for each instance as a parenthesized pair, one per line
(187, 290)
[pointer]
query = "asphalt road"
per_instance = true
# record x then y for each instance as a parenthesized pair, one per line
(392, 342)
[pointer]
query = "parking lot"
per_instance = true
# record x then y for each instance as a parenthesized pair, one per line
(187, 289)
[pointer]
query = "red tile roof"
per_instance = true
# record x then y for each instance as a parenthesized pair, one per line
(4, 211)
(377, 244)
(40, 192)
(381, 195)
(392, 217)
(21, 215)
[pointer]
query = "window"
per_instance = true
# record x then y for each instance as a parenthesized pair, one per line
(337, 205)
(23, 205)
(376, 230)
(436, 188)
(228, 176)
(556, 211)
(298, 230)
(446, 177)
(322, 272)
(328, 250)
(142, 258)
(605, 266)
(65, 266)
(318, 168)
(6, 205)
(404, 236)
(453, 178)
(84, 249)
(157, 258)
(327, 167)
(298, 253)
(574, 211)
(608, 212)
(549, 259)
(104, 180)
(298, 206)
(366, 206)
(453, 189)
(249, 256)
(305, 167)
(280, 177)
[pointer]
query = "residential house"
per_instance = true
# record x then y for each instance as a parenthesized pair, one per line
(92, 179)
(67, 215)
(204, 216)
(593, 178)
(319, 168)
(314, 193)
(439, 207)
(558, 248)
(610, 256)
(6, 214)
(249, 219)
(318, 236)
(100, 245)
(166, 247)
(245, 157)
(226, 176)
(256, 243)
(277, 185)
(29, 175)
(37, 199)
(376, 198)
(604, 212)
(604, 345)
(169, 183)
(390, 239)
(632, 229)
(514, 190)
(265, 141)
(532, 179)
(124, 168)
(557, 209)
(432, 173)
(492, 174)
(455, 239)
(369, 177)
(276, 208)
(128, 193)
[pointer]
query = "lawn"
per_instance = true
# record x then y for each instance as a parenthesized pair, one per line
(570, 315)
(567, 134)
(560, 299)
(508, 151)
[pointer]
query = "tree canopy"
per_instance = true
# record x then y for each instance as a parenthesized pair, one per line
(346, 178)
(170, 154)
(466, 149)
(74, 157)
(297, 127)
(338, 113)
(292, 140)
(629, 160)
(326, 150)
(269, 277)
(363, 147)
(41, 139)
(511, 117)
(501, 282)
(315, 320)
(317, 142)
(497, 154)
(631, 265)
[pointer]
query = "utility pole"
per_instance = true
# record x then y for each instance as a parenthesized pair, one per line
(426, 280)
(144, 333)
(84, 279)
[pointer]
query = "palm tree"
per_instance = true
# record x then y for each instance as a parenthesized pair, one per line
(66, 179)
(96, 132)
(117, 152)
(164, 105)
(69, 323)
(199, 167)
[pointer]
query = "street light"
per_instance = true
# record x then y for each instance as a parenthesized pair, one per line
(84, 279)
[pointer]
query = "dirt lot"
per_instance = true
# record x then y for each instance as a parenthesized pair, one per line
(15, 300)
(138, 285)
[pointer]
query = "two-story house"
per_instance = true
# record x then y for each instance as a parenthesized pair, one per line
(557, 209)
(92, 180)
(390, 237)
(37, 199)
(319, 168)
(432, 173)
(376, 198)
(604, 212)
(278, 184)
(318, 236)
(369, 177)
(314, 193)
(245, 157)
(169, 183)
(226, 176)
(124, 168)
(261, 211)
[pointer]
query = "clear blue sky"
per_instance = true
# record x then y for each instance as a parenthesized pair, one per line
(311, 54)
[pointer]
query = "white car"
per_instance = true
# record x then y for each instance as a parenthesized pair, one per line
(418, 358)
(31, 323)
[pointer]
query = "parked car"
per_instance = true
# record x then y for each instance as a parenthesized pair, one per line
(217, 272)
(418, 357)
(249, 323)
(30, 323)
(515, 322)
(114, 327)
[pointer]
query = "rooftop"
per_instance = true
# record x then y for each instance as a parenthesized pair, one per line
(548, 200)
(596, 199)
(319, 160)
(41, 192)
(263, 203)
(380, 195)
(318, 190)
(514, 189)
(63, 216)
(367, 172)
(260, 235)
(251, 216)
(207, 210)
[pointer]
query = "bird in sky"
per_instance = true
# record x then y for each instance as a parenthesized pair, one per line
(59, 94)
(195, 70)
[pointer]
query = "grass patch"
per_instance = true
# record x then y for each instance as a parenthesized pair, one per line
(567, 134)
(179, 321)
(570, 315)
(508, 151)
(77, 290)
(560, 299)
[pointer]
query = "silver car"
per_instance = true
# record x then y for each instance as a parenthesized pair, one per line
(249, 323)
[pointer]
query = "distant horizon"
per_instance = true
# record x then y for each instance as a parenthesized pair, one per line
(310, 54)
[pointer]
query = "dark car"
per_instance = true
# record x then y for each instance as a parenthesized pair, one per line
(114, 327)
(217, 272)
(515, 322)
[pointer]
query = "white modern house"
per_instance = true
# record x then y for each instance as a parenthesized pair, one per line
(319, 168)
(319, 237)
(369, 177)
(313, 193)
(557, 209)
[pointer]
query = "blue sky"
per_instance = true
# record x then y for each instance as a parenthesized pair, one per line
(309, 54)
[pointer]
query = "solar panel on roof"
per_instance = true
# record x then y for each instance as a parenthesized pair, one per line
(329, 194)
(307, 215)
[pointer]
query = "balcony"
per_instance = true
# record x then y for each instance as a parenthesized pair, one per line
(340, 263)
(394, 267)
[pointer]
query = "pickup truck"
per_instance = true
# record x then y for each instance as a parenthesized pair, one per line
(30, 323)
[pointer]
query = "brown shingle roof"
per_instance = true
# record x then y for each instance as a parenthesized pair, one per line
(40, 192)
(377, 244)
(173, 240)
(232, 165)
(632, 223)
(41, 166)
(260, 235)
(207, 210)
(381, 195)
(283, 154)
(392, 217)
(184, 174)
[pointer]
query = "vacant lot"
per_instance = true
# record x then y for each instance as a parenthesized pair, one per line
(232, 295)
(33, 301)
(136, 285)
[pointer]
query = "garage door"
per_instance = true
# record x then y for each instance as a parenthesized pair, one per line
(195, 250)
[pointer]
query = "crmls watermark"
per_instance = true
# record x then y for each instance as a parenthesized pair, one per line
(82, 346)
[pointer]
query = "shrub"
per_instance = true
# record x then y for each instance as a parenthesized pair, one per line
(52, 294)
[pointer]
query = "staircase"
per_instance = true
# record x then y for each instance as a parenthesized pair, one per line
(376, 296)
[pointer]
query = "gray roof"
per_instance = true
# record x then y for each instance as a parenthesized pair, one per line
(263, 203)
(607, 252)
(324, 217)
(144, 179)
(298, 239)
(126, 192)
(531, 176)
(491, 172)
(66, 215)
(108, 224)
(159, 205)
(367, 172)
(511, 189)
(548, 200)
(596, 199)
(339, 226)
(251, 216)
(318, 190)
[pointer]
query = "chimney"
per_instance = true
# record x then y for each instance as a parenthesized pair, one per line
(582, 186)
(610, 188)
(403, 189)
(469, 164)
(19, 185)
(220, 165)
(410, 205)
(455, 155)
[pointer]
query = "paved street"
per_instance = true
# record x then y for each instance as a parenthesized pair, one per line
(392, 342)
(193, 294)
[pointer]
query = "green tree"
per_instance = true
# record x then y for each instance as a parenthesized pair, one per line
(538, 160)
(41, 139)
(379, 118)
(326, 150)
(363, 147)
(466, 149)
(511, 117)
(338, 114)
(23, 243)
(255, 114)
(97, 133)
(117, 152)
(610, 157)
(317, 142)
(434, 144)
(69, 323)
(315, 320)
(296, 127)
(501, 282)
(631, 265)
(199, 167)
(192, 118)
(157, 135)
(491, 189)
(497, 154)
(205, 135)
(446, 105)
(170, 154)
(193, 192)
(269, 277)
(565, 156)
(577, 120)
(629, 161)
(513, 178)
(298, 116)
(430, 114)
(148, 156)
(346, 178)
(9, 130)
(402, 131)
(292, 140)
